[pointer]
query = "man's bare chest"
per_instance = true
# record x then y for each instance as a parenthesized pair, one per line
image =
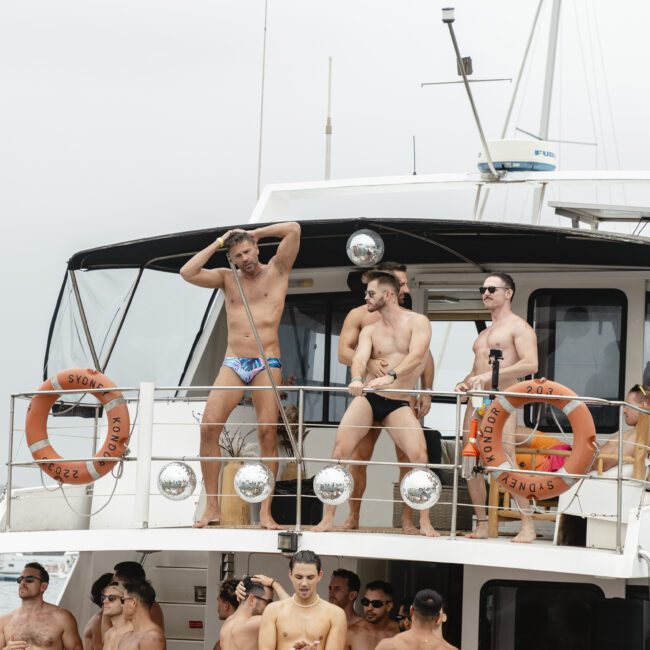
(269, 292)
(390, 340)
(38, 629)
(303, 627)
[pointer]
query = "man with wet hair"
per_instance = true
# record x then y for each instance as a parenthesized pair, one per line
(37, 624)
(265, 287)
(241, 630)
(92, 635)
(377, 603)
(427, 616)
(304, 621)
(517, 341)
(344, 588)
(355, 321)
(129, 571)
(402, 338)
(113, 609)
(137, 603)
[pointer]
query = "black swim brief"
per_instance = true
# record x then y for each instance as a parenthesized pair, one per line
(382, 407)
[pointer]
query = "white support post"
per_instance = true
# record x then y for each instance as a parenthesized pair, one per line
(143, 464)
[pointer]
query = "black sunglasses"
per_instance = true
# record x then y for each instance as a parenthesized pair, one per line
(28, 579)
(111, 598)
(375, 603)
(490, 289)
(268, 601)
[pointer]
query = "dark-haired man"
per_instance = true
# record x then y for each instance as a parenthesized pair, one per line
(344, 588)
(355, 321)
(37, 624)
(129, 571)
(402, 338)
(145, 635)
(304, 621)
(426, 628)
(265, 287)
(377, 602)
(113, 608)
(518, 343)
(241, 630)
(92, 635)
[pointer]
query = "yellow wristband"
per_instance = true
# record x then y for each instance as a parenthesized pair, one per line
(219, 242)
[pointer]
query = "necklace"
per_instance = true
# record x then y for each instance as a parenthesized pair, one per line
(310, 605)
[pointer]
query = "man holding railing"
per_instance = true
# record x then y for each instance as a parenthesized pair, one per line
(265, 288)
(401, 338)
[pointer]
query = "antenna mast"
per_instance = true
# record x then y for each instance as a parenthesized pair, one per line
(259, 149)
(550, 69)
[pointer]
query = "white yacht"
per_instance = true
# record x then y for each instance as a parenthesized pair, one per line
(583, 283)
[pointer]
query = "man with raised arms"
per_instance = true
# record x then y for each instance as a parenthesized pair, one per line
(265, 287)
(145, 634)
(344, 588)
(401, 338)
(427, 617)
(518, 343)
(377, 603)
(355, 321)
(37, 624)
(241, 630)
(304, 621)
(113, 608)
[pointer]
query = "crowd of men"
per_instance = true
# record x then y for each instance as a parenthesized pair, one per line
(386, 347)
(256, 613)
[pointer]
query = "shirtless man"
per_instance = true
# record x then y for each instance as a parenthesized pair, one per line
(145, 635)
(92, 635)
(426, 629)
(355, 321)
(265, 287)
(37, 624)
(402, 339)
(376, 625)
(227, 602)
(113, 608)
(343, 591)
(518, 343)
(241, 630)
(127, 572)
(639, 395)
(304, 621)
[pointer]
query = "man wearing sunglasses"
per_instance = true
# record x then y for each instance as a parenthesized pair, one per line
(113, 608)
(377, 602)
(241, 630)
(518, 343)
(355, 321)
(92, 635)
(37, 624)
(402, 338)
(136, 603)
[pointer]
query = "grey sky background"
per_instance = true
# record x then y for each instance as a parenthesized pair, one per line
(125, 119)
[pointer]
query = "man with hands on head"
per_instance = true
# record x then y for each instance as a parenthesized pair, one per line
(355, 321)
(37, 625)
(265, 287)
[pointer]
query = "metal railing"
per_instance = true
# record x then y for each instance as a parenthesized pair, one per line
(144, 395)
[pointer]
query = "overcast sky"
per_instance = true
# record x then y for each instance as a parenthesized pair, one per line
(130, 118)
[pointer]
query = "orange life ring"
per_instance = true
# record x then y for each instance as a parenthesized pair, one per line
(77, 472)
(529, 485)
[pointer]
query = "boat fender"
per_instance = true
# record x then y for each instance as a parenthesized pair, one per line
(531, 486)
(77, 472)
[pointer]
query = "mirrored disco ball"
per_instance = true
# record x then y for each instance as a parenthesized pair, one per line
(254, 482)
(333, 485)
(365, 247)
(176, 481)
(420, 489)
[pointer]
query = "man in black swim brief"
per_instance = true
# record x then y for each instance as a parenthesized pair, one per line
(382, 406)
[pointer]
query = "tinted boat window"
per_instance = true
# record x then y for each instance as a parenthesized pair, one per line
(581, 345)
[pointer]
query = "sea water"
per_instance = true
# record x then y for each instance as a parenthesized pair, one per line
(9, 594)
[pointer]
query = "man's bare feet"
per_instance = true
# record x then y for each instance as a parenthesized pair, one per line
(211, 515)
(324, 525)
(351, 523)
(526, 535)
(266, 521)
(408, 526)
(427, 529)
(481, 530)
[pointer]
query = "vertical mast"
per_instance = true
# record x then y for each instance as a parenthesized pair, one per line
(259, 149)
(550, 69)
(328, 124)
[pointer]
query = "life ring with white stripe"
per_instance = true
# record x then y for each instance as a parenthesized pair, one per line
(77, 472)
(490, 444)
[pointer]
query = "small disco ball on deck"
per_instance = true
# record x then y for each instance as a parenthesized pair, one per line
(254, 482)
(333, 485)
(365, 247)
(176, 481)
(420, 489)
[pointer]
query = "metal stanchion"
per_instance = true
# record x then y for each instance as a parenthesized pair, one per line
(454, 493)
(619, 482)
(12, 402)
(301, 433)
